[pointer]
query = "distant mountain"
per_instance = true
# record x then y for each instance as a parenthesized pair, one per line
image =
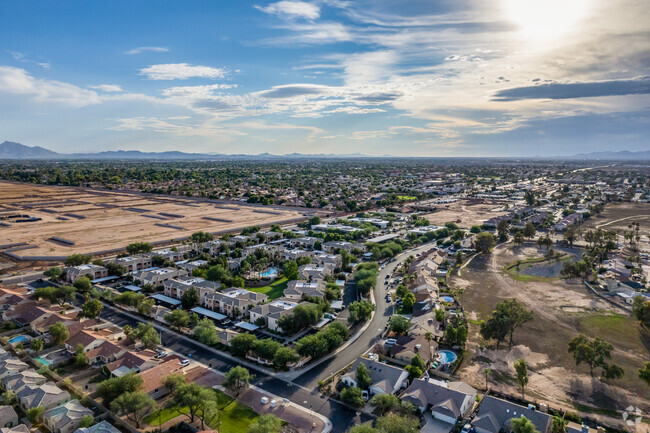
(623, 155)
(11, 150)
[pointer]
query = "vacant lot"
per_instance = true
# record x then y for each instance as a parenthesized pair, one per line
(465, 212)
(100, 220)
(562, 309)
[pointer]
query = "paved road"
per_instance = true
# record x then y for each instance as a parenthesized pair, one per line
(24, 278)
(370, 336)
(342, 417)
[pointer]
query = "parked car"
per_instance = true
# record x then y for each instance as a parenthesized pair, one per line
(274, 403)
(264, 400)
(391, 342)
(185, 362)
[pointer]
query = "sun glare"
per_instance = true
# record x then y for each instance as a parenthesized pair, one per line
(541, 20)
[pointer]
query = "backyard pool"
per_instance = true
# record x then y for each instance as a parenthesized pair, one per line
(42, 360)
(270, 273)
(20, 339)
(448, 299)
(447, 356)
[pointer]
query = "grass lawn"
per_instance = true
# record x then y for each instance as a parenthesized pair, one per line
(406, 197)
(235, 417)
(273, 290)
(619, 329)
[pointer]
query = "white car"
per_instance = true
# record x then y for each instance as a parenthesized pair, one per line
(274, 403)
(264, 400)
(185, 362)
(391, 342)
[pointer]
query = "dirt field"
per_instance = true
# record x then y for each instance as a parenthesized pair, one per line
(469, 212)
(109, 223)
(562, 310)
(617, 216)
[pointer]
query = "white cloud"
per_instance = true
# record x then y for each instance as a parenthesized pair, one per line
(292, 9)
(181, 71)
(19, 82)
(109, 88)
(21, 57)
(140, 50)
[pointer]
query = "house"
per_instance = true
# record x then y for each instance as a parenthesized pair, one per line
(272, 312)
(190, 266)
(153, 379)
(18, 381)
(134, 263)
(158, 312)
(11, 366)
(573, 219)
(312, 272)
(332, 247)
(101, 427)
(386, 379)
(307, 242)
(447, 401)
(495, 415)
(157, 276)
(332, 260)
(172, 255)
(91, 271)
(66, 418)
(177, 287)
(298, 289)
(105, 353)
(234, 302)
(8, 417)
(295, 254)
(4, 354)
(128, 363)
(407, 346)
(226, 335)
(87, 339)
(48, 396)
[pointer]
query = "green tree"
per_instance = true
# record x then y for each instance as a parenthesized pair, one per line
(360, 311)
(290, 270)
(484, 242)
(417, 361)
(522, 374)
(77, 259)
(35, 414)
(571, 234)
(82, 284)
(53, 273)
(266, 348)
(80, 358)
(139, 248)
(199, 238)
(413, 371)
(312, 345)
(641, 309)
(594, 352)
(87, 421)
(206, 332)
(613, 371)
(243, 343)
(363, 376)
(508, 316)
(190, 298)
(9, 398)
(363, 428)
(134, 405)
(559, 425)
(352, 396)
(177, 319)
(112, 388)
(399, 324)
(59, 333)
(237, 378)
(283, 356)
(529, 230)
(503, 227)
(92, 308)
(385, 403)
(408, 301)
(190, 399)
(268, 423)
(146, 307)
(397, 424)
(37, 344)
(522, 425)
(146, 334)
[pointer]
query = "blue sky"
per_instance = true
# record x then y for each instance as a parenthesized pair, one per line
(420, 77)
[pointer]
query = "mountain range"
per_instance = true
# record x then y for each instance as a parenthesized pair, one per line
(17, 151)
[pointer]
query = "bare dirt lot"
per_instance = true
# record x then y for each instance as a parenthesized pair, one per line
(104, 220)
(562, 309)
(469, 211)
(617, 216)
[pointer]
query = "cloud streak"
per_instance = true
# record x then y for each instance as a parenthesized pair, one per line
(181, 71)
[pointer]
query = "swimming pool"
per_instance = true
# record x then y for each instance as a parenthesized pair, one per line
(42, 360)
(448, 299)
(270, 273)
(447, 357)
(19, 339)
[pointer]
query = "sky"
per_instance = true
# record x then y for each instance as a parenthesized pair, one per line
(375, 77)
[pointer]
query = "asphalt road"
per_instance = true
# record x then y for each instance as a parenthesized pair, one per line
(370, 336)
(343, 417)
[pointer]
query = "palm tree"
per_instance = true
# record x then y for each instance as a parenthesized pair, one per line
(487, 372)
(429, 336)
